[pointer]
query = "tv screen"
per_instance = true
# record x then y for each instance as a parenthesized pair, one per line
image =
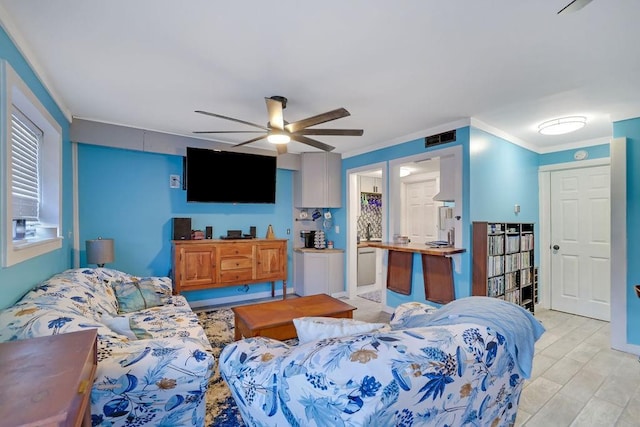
(227, 177)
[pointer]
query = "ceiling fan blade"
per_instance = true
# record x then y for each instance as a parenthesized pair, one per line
(257, 138)
(230, 118)
(316, 120)
(337, 132)
(227, 131)
(281, 148)
(574, 6)
(312, 142)
(274, 108)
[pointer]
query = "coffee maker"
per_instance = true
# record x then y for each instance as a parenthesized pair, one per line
(309, 238)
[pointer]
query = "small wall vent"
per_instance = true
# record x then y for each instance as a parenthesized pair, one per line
(441, 138)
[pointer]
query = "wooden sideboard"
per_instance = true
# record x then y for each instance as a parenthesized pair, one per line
(205, 264)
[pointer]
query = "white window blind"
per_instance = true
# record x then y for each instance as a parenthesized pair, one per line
(25, 188)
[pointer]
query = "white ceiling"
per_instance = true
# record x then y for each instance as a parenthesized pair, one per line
(403, 69)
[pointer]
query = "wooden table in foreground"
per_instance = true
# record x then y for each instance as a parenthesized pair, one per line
(47, 381)
(275, 319)
(437, 269)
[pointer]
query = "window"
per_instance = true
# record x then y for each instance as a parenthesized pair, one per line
(25, 175)
(31, 149)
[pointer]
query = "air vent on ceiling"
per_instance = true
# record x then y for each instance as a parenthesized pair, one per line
(441, 138)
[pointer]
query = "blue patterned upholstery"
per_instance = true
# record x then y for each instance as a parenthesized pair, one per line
(461, 374)
(158, 380)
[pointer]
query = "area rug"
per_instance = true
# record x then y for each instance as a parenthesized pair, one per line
(221, 408)
(374, 296)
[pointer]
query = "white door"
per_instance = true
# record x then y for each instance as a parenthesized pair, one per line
(422, 211)
(580, 241)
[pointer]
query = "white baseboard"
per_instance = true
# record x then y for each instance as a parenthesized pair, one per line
(235, 299)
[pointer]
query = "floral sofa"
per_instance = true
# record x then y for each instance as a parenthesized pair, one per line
(154, 363)
(462, 364)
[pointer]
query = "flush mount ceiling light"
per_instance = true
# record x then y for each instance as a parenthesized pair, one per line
(275, 137)
(562, 125)
(404, 171)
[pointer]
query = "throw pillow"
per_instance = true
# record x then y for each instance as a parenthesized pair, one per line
(315, 328)
(136, 295)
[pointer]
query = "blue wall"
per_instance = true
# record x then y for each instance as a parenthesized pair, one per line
(16, 280)
(502, 174)
(566, 156)
(631, 130)
(125, 195)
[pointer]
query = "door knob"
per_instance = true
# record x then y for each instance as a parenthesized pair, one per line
(556, 247)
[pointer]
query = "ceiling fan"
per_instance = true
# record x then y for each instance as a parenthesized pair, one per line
(280, 132)
(574, 6)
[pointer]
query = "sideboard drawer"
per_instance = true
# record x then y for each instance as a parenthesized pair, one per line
(236, 276)
(235, 263)
(236, 250)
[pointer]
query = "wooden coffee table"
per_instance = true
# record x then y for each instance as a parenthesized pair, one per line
(275, 319)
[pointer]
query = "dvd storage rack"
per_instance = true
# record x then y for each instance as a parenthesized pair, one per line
(503, 262)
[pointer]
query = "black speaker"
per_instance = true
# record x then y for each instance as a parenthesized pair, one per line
(181, 228)
(252, 231)
(208, 234)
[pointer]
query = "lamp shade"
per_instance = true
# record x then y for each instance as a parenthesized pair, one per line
(100, 251)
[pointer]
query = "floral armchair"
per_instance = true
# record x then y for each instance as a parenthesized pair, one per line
(449, 374)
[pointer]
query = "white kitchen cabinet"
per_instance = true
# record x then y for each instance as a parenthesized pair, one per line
(370, 184)
(318, 183)
(448, 180)
(318, 272)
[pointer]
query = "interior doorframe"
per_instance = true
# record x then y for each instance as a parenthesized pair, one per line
(544, 184)
(353, 198)
(619, 284)
(395, 216)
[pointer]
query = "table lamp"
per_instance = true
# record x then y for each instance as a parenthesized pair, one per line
(100, 251)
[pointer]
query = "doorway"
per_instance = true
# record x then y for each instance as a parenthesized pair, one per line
(366, 219)
(576, 229)
(398, 175)
(425, 196)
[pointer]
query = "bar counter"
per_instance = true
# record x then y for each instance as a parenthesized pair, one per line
(437, 268)
(414, 248)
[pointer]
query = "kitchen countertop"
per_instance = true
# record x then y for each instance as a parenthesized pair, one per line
(313, 250)
(413, 247)
(363, 243)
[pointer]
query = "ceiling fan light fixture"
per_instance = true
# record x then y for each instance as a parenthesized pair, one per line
(278, 138)
(562, 125)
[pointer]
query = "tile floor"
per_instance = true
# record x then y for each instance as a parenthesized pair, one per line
(577, 379)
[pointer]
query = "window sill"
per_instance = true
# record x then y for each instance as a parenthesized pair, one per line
(23, 250)
(19, 245)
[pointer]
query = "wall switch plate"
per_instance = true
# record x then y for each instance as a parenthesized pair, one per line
(337, 229)
(174, 181)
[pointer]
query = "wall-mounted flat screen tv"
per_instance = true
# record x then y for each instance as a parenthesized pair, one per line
(228, 177)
